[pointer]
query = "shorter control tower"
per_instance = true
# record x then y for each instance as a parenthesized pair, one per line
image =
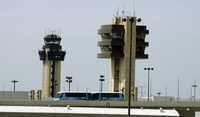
(51, 55)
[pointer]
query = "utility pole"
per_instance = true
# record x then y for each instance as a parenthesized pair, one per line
(14, 82)
(166, 92)
(178, 92)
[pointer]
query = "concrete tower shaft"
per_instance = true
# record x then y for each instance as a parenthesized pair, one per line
(51, 55)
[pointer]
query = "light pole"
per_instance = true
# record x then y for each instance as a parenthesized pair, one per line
(101, 85)
(141, 90)
(159, 93)
(148, 69)
(178, 92)
(166, 92)
(14, 82)
(194, 86)
(69, 81)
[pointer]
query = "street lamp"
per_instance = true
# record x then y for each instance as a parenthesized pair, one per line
(194, 86)
(101, 85)
(14, 82)
(69, 81)
(159, 93)
(148, 69)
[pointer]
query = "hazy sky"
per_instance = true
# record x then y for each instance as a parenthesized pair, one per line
(174, 41)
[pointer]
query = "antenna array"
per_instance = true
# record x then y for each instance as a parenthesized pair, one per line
(123, 8)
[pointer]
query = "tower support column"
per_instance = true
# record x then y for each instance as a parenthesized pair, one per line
(45, 82)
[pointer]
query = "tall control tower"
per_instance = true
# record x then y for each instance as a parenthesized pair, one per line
(123, 42)
(51, 55)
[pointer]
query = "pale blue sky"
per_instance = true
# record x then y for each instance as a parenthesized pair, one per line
(174, 41)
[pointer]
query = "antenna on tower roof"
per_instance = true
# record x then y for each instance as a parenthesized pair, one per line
(125, 7)
(117, 8)
(123, 12)
(117, 13)
(53, 31)
(134, 9)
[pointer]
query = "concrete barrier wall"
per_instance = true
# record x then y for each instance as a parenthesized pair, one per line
(19, 95)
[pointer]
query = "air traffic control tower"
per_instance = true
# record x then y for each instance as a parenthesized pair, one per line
(123, 42)
(51, 55)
